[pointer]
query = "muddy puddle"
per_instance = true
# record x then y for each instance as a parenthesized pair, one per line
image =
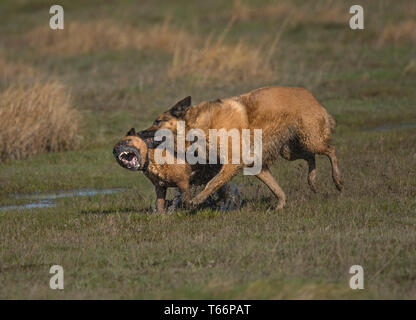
(32, 205)
(45, 200)
(48, 200)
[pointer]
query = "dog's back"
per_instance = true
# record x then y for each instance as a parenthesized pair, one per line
(287, 116)
(294, 125)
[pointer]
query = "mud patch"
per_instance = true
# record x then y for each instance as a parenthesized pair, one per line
(32, 205)
(231, 200)
(45, 200)
(68, 194)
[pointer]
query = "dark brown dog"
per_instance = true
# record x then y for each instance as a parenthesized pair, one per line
(133, 153)
(294, 124)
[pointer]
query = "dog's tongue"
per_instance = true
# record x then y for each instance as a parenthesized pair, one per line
(130, 156)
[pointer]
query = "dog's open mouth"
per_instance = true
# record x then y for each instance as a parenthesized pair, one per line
(127, 156)
(128, 159)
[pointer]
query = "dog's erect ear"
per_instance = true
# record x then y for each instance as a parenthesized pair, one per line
(179, 109)
(132, 132)
(146, 134)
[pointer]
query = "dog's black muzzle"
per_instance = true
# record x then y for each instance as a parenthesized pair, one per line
(127, 156)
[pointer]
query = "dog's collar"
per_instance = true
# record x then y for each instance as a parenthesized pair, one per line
(146, 162)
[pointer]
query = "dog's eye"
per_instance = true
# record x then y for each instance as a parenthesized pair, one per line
(157, 122)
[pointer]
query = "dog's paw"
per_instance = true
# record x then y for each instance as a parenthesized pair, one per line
(174, 204)
(191, 205)
(195, 202)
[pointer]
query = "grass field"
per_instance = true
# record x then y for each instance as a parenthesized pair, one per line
(125, 62)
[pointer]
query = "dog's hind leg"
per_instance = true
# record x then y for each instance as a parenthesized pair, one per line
(315, 137)
(266, 176)
(311, 172)
(336, 175)
(294, 151)
(227, 172)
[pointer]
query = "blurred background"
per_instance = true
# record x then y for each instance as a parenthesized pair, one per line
(66, 96)
(123, 62)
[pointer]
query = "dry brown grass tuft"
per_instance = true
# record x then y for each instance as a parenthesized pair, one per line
(243, 12)
(12, 71)
(164, 37)
(326, 12)
(85, 37)
(36, 119)
(399, 33)
(217, 60)
(332, 15)
(211, 59)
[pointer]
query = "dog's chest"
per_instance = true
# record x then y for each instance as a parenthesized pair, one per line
(160, 176)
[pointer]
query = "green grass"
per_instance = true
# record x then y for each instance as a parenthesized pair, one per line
(111, 246)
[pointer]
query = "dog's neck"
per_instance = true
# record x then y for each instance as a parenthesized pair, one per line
(146, 158)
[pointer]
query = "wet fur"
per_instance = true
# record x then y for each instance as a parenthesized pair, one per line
(163, 176)
(295, 126)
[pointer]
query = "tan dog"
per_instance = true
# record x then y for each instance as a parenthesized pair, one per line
(294, 124)
(133, 153)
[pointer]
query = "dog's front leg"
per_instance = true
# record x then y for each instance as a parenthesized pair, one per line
(186, 192)
(227, 172)
(160, 198)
